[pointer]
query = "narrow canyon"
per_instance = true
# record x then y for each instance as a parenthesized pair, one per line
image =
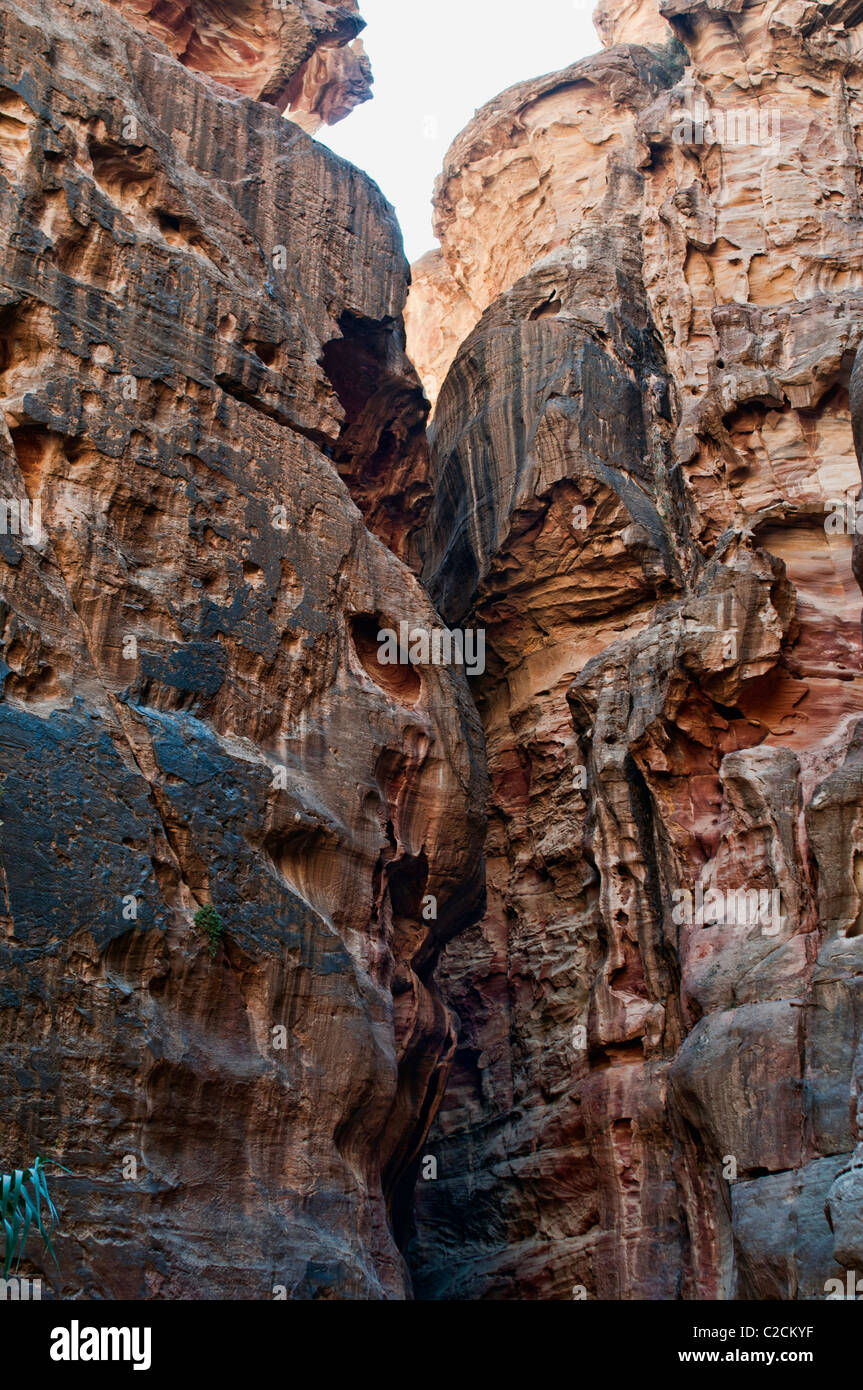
(544, 983)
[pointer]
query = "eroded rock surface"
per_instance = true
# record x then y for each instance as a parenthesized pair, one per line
(303, 56)
(640, 334)
(642, 452)
(202, 358)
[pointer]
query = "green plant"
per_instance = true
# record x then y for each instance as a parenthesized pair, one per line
(208, 920)
(22, 1193)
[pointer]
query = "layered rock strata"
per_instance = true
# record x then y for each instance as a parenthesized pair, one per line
(303, 56)
(640, 482)
(202, 361)
(651, 289)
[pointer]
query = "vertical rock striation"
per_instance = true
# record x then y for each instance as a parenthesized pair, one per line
(639, 337)
(650, 295)
(202, 360)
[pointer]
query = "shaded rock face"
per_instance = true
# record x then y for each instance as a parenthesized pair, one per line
(202, 357)
(642, 451)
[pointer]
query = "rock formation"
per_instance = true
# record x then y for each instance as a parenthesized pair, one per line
(203, 365)
(303, 56)
(281, 924)
(640, 330)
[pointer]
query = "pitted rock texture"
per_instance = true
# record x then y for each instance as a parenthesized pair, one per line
(202, 352)
(643, 484)
(302, 55)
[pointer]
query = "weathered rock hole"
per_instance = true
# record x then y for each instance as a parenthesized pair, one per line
(550, 308)
(44, 684)
(310, 862)
(265, 352)
(401, 682)
(15, 121)
(253, 574)
(124, 172)
(34, 448)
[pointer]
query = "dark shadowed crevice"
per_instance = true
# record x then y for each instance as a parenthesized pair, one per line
(381, 453)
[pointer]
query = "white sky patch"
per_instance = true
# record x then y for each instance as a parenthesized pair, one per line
(435, 62)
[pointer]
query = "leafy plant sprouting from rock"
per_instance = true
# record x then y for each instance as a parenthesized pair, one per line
(22, 1194)
(209, 921)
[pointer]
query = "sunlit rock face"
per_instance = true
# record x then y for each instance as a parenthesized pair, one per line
(642, 451)
(202, 368)
(303, 56)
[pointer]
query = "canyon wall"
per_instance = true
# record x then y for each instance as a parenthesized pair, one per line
(203, 382)
(639, 332)
(589, 932)
(303, 56)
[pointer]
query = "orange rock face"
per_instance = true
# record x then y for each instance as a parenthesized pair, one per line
(303, 56)
(202, 359)
(642, 450)
(281, 923)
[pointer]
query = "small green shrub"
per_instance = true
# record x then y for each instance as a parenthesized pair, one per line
(208, 921)
(22, 1193)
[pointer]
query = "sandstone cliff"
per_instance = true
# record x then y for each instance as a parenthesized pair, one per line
(641, 325)
(639, 481)
(303, 56)
(203, 374)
